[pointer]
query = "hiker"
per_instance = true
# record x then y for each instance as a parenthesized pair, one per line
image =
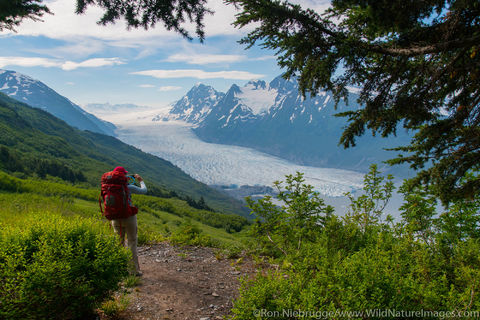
(126, 224)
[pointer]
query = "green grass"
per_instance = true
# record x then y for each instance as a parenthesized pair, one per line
(158, 219)
(158, 225)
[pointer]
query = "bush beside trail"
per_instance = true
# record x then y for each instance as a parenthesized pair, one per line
(55, 267)
(364, 261)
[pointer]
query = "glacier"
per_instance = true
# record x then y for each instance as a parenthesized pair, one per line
(217, 164)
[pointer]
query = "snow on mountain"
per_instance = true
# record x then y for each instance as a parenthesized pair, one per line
(257, 96)
(194, 106)
(256, 100)
(38, 95)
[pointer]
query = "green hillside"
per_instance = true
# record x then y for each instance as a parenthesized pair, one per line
(35, 143)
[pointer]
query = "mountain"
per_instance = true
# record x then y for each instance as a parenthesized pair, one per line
(194, 106)
(107, 108)
(38, 95)
(34, 142)
(275, 118)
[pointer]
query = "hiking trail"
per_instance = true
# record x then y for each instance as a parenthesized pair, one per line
(187, 283)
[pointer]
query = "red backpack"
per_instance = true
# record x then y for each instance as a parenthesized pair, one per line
(115, 196)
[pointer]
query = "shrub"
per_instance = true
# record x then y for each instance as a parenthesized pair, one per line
(360, 263)
(148, 235)
(189, 234)
(7, 183)
(282, 230)
(54, 268)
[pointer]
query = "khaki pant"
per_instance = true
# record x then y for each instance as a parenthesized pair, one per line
(128, 227)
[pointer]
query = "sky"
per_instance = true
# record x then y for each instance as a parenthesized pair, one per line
(89, 63)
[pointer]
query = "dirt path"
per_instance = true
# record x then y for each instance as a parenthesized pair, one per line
(185, 283)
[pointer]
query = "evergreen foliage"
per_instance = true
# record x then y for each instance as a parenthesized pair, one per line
(139, 13)
(12, 12)
(417, 64)
(13, 162)
(200, 204)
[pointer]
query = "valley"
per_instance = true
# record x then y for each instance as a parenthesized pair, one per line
(228, 167)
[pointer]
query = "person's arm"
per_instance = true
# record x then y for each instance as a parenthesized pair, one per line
(138, 190)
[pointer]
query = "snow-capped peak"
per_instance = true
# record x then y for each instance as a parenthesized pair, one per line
(38, 95)
(257, 84)
(257, 96)
(194, 106)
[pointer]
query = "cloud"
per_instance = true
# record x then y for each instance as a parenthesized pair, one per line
(205, 58)
(56, 63)
(66, 25)
(79, 49)
(199, 74)
(319, 6)
(264, 58)
(221, 23)
(169, 88)
(91, 63)
(70, 83)
(28, 62)
(83, 37)
(163, 89)
(78, 30)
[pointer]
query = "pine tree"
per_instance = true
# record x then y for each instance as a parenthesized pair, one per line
(417, 64)
(12, 12)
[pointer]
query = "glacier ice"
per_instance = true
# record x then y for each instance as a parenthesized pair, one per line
(217, 164)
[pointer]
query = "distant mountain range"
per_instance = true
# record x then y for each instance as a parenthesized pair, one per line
(107, 108)
(275, 118)
(38, 95)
